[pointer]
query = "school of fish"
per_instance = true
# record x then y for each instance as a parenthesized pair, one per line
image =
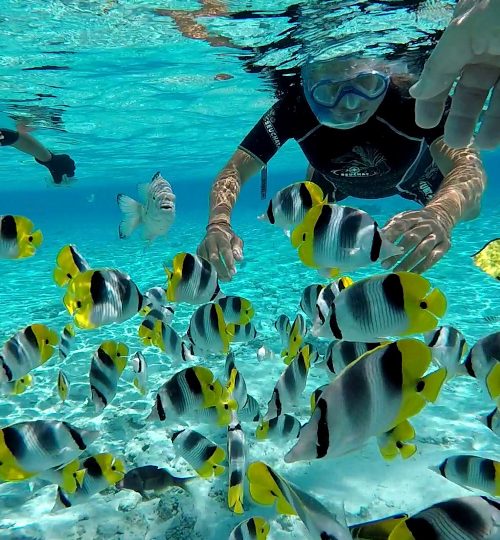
(378, 344)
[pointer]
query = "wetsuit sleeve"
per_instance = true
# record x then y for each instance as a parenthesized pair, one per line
(271, 131)
(9, 137)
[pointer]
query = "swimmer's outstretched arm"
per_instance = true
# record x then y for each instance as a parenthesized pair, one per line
(221, 245)
(459, 195)
(59, 165)
(25, 143)
(425, 234)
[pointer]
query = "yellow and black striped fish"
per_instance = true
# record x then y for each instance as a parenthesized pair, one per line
(236, 456)
(15, 388)
(168, 340)
(208, 331)
(18, 240)
(289, 205)
(340, 354)
(472, 472)
(390, 387)
(488, 258)
(140, 367)
(396, 304)
(69, 263)
(107, 364)
(66, 341)
(269, 488)
(291, 384)
(63, 385)
(255, 528)
(236, 309)
(284, 426)
(69, 477)
(95, 298)
(101, 471)
(201, 453)
(28, 448)
(192, 280)
(337, 239)
(464, 518)
(483, 363)
(26, 350)
(186, 391)
(295, 339)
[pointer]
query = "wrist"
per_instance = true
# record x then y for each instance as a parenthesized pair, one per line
(44, 157)
(442, 215)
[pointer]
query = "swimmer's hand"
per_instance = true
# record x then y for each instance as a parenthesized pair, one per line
(60, 166)
(222, 248)
(468, 52)
(424, 236)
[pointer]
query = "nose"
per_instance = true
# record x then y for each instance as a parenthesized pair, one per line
(351, 102)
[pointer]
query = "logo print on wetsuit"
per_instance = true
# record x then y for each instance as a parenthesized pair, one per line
(271, 130)
(361, 162)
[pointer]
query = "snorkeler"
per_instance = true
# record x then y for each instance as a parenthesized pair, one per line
(469, 53)
(59, 165)
(354, 121)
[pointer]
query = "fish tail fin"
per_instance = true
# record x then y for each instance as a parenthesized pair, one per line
(264, 490)
(235, 498)
(37, 238)
(433, 384)
(395, 442)
(493, 382)
(132, 215)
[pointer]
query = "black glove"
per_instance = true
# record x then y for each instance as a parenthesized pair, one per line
(59, 165)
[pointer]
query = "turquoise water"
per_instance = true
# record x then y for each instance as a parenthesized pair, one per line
(138, 97)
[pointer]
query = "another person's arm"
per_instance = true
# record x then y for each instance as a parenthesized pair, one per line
(59, 165)
(221, 246)
(425, 234)
(469, 53)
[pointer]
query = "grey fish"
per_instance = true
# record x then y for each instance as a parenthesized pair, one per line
(157, 213)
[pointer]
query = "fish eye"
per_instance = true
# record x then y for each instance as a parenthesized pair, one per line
(399, 444)
(46, 342)
(211, 387)
(78, 304)
(226, 406)
(420, 386)
(423, 305)
(304, 237)
(118, 354)
(30, 239)
(74, 475)
(68, 275)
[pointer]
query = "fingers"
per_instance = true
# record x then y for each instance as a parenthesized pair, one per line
(428, 112)
(435, 255)
(489, 133)
(227, 259)
(237, 248)
(213, 249)
(411, 240)
(395, 228)
(468, 101)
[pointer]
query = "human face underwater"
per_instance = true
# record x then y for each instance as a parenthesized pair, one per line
(343, 95)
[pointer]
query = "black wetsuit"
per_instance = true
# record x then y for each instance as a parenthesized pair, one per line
(387, 155)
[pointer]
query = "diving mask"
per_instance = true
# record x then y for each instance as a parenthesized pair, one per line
(369, 85)
(344, 101)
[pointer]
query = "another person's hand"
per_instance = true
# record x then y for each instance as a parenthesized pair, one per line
(425, 238)
(60, 166)
(222, 247)
(469, 53)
